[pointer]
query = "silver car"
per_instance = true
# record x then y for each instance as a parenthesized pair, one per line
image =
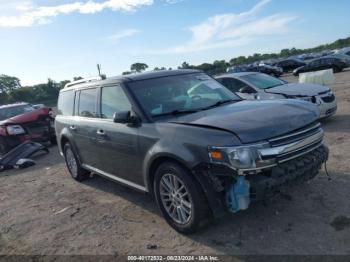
(251, 86)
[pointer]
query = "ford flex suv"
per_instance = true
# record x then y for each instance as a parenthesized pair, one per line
(184, 138)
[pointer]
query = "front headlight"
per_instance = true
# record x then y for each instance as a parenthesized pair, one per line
(304, 98)
(15, 130)
(239, 158)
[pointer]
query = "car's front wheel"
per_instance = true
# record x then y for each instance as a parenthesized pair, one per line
(180, 198)
(337, 69)
(73, 165)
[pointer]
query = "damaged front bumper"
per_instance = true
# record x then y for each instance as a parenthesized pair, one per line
(223, 192)
(287, 174)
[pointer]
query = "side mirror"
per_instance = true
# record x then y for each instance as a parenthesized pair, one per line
(125, 117)
(122, 117)
(247, 90)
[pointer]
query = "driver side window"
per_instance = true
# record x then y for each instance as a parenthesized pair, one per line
(232, 84)
(113, 99)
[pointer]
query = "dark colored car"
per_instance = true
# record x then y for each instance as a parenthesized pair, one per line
(289, 64)
(181, 136)
(21, 122)
(266, 69)
(335, 63)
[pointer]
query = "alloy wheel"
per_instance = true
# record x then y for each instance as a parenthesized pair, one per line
(71, 162)
(175, 198)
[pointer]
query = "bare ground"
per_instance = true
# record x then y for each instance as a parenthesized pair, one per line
(44, 211)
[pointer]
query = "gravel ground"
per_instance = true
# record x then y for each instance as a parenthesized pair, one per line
(44, 211)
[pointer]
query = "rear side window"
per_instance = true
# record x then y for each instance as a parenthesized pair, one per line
(66, 103)
(113, 99)
(87, 103)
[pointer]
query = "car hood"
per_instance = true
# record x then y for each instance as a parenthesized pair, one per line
(298, 89)
(254, 121)
(27, 117)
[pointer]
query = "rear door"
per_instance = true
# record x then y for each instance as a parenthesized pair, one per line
(116, 144)
(82, 127)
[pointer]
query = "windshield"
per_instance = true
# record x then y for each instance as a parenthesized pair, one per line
(180, 93)
(12, 111)
(263, 81)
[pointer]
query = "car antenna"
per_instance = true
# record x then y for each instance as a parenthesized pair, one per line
(103, 76)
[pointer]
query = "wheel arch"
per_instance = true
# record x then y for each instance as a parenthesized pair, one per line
(156, 161)
(67, 138)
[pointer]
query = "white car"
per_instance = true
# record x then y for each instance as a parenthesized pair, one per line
(249, 85)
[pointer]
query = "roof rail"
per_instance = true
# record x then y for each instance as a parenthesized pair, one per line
(85, 80)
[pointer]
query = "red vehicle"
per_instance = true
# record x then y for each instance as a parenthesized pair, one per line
(20, 122)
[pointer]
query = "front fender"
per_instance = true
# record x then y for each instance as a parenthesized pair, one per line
(160, 151)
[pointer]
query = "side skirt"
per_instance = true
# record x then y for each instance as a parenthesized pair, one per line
(115, 178)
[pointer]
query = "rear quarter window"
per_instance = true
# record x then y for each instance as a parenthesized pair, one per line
(87, 103)
(65, 103)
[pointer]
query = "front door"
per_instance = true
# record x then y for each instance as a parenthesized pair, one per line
(116, 144)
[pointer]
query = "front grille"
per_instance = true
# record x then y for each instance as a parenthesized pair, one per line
(328, 99)
(296, 135)
(37, 128)
(323, 93)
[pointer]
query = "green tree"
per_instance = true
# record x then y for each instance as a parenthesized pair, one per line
(185, 65)
(9, 83)
(76, 78)
(138, 67)
(63, 83)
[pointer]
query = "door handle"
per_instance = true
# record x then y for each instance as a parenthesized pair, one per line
(72, 127)
(100, 133)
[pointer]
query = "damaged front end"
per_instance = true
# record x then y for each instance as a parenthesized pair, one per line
(255, 172)
(37, 127)
(18, 156)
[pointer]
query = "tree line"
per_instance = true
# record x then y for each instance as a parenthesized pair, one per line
(11, 89)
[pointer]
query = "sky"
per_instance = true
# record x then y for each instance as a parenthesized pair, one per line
(60, 39)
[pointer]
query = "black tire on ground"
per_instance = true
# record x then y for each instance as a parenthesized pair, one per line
(53, 140)
(77, 172)
(337, 69)
(199, 207)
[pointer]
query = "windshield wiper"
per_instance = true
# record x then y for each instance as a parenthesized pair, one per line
(176, 112)
(219, 103)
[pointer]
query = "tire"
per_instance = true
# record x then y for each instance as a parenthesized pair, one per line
(73, 164)
(186, 218)
(53, 140)
(337, 69)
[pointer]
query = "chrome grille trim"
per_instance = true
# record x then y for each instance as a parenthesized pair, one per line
(307, 131)
(290, 148)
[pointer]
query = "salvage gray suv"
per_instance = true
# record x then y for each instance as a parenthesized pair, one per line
(188, 141)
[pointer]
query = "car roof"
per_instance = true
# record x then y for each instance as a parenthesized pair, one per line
(13, 105)
(129, 78)
(239, 74)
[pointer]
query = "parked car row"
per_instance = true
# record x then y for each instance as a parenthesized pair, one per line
(328, 62)
(258, 67)
(196, 146)
(336, 60)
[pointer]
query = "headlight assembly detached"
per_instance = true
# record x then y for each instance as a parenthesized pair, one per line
(15, 130)
(241, 158)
